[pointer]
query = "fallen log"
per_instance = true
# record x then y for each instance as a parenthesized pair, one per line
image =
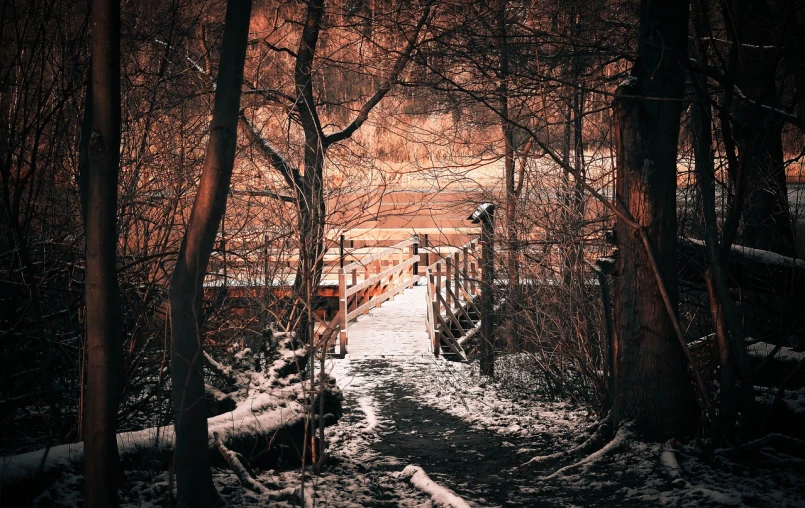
(751, 269)
(267, 425)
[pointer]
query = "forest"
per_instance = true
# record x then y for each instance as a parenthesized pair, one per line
(402, 253)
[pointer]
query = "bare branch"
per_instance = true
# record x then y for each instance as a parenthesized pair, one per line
(385, 87)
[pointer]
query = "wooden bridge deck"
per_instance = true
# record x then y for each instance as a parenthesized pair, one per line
(396, 328)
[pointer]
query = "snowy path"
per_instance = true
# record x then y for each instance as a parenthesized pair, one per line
(396, 328)
(405, 407)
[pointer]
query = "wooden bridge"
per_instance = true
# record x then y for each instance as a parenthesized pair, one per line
(452, 280)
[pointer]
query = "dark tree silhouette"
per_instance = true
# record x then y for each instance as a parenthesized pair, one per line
(104, 312)
(651, 385)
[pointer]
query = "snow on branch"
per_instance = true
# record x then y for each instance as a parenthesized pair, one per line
(441, 496)
(760, 256)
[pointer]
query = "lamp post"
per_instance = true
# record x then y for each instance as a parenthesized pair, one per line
(485, 215)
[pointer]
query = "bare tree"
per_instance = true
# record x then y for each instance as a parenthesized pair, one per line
(104, 312)
(755, 29)
(307, 182)
(191, 462)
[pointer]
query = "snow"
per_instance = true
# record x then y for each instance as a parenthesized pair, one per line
(396, 328)
(454, 424)
(761, 256)
(441, 496)
(762, 350)
(366, 405)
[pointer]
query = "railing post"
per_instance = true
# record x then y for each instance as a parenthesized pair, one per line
(436, 304)
(343, 310)
(464, 271)
(415, 248)
(341, 251)
(433, 313)
(487, 349)
(447, 280)
(473, 273)
(457, 283)
(378, 269)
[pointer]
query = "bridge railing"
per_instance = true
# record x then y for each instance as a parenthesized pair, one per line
(372, 280)
(453, 284)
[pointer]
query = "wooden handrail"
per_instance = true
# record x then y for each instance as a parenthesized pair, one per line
(385, 273)
(453, 288)
(380, 254)
(374, 289)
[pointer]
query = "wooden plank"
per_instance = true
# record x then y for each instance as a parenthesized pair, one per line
(453, 343)
(470, 334)
(379, 255)
(450, 314)
(382, 298)
(379, 276)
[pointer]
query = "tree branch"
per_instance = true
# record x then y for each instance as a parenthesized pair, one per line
(385, 87)
(278, 162)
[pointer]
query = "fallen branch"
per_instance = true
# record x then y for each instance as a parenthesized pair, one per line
(441, 496)
(788, 445)
(672, 468)
(241, 468)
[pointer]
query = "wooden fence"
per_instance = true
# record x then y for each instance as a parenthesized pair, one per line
(372, 280)
(453, 285)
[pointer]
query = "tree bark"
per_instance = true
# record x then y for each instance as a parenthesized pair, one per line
(652, 386)
(102, 293)
(191, 461)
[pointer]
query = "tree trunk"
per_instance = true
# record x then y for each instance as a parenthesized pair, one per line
(766, 215)
(102, 293)
(652, 386)
(191, 462)
(310, 196)
(733, 400)
(507, 129)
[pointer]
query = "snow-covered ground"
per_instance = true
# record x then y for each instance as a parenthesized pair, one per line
(421, 431)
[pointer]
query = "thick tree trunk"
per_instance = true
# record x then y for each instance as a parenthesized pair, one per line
(191, 462)
(104, 312)
(653, 388)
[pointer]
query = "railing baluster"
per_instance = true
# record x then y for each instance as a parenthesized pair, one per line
(436, 309)
(344, 311)
(448, 279)
(456, 293)
(465, 251)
